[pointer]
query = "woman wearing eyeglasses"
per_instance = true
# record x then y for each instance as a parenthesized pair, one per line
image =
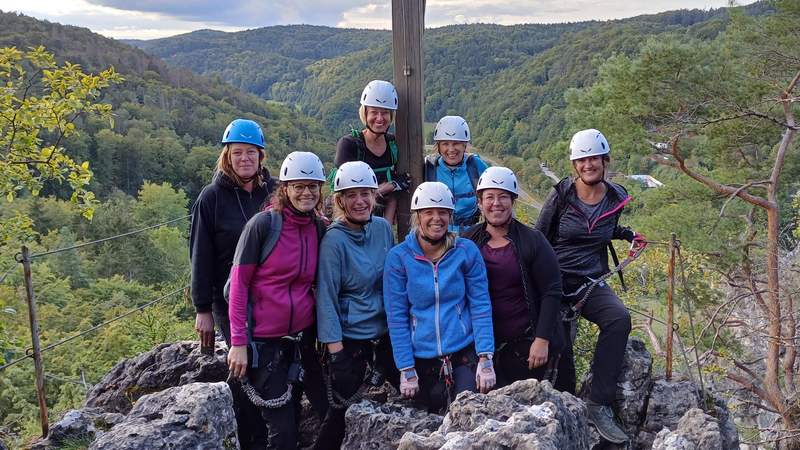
(271, 299)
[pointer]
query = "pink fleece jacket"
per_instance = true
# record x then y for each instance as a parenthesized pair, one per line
(280, 288)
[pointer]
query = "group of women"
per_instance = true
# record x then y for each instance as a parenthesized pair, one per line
(458, 305)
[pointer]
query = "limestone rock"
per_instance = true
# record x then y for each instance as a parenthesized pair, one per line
(78, 425)
(373, 425)
(695, 430)
(164, 366)
(525, 415)
(193, 416)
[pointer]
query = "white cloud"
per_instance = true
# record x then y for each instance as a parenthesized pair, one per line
(147, 19)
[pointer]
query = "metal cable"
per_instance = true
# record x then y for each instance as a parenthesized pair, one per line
(29, 351)
(8, 272)
(130, 233)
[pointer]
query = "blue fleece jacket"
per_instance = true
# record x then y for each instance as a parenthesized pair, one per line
(435, 309)
(457, 180)
(350, 281)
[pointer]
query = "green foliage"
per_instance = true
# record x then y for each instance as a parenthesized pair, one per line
(38, 98)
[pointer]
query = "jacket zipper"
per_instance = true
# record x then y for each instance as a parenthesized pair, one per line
(436, 296)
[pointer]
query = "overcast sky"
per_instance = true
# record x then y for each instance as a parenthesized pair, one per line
(147, 19)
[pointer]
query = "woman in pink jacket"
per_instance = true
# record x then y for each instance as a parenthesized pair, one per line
(272, 303)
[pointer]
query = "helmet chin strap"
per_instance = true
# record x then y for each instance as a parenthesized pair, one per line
(300, 213)
(433, 241)
(501, 225)
(373, 131)
(360, 223)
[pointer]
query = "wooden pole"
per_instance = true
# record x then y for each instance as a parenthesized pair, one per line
(670, 310)
(37, 353)
(408, 22)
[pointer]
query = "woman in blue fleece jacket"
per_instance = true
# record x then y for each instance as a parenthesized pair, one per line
(350, 317)
(437, 304)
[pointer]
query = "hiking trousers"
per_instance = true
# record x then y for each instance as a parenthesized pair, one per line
(607, 311)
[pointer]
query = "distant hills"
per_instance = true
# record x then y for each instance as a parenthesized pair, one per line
(507, 81)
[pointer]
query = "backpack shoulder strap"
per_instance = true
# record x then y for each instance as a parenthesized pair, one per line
(321, 228)
(275, 223)
(472, 170)
(393, 148)
(430, 167)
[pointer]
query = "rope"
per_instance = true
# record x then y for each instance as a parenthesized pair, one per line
(110, 238)
(29, 351)
(8, 272)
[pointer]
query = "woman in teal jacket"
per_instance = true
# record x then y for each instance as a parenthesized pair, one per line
(457, 169)
(437, 304)
(350, 316)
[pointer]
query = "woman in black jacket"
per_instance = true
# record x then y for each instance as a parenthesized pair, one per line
(240, 188)
(580, 218)
(524, 283)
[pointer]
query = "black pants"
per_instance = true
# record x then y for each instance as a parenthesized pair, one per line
(252, 431)
(434, 393)
(511, 362)
(270, 379)
(347, 376)
(606, 310)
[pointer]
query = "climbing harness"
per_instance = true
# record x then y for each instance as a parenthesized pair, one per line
(574, 311)
(294, 376)
(372, 378)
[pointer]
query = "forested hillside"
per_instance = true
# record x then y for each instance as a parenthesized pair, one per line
(507, 81)
(146, 168)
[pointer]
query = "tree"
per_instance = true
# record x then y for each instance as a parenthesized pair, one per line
(723, 114)
(41, 103)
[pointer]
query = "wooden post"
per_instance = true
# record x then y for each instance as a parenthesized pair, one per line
(670, 310)
(408, 22)
(37, 353)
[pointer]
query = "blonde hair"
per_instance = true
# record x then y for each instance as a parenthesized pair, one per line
(450, 237)
(225, 166)
(362, 114)
(338, 210)
(280, 199)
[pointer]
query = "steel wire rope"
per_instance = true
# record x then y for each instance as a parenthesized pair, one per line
(98, 241)
(29, 351)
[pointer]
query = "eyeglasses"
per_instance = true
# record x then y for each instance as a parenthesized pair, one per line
(300, 188)
(502, 198)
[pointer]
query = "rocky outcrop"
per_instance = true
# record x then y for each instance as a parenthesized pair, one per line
(164, 366)
(372, 425)
(79, 425)
(696, 430)
(527, 414)
(194, 416)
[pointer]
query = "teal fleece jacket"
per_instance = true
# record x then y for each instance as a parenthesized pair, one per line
(350, 281)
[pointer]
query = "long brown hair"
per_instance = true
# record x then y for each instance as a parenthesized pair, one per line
(225, 166)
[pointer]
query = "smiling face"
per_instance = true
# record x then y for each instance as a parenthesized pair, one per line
(496, 206)
(433, 222)
(244, 159)
(378, 119)
(452, 151)
(303, 194)
(590, 170)
(357, 204)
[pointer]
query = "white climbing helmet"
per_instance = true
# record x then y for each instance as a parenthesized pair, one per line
(432, 194)
(587, 143)
(380, 94)
(354, 174)
(452, 128)
(496, 177)
(302, 166)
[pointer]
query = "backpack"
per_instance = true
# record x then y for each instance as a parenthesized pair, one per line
(393, 152)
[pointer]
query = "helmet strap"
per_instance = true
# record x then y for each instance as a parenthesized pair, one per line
(433, 241)
(300, 213)
(373, 131)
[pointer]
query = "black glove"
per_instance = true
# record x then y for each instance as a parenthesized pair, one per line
(345, 376)
(401, 182)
